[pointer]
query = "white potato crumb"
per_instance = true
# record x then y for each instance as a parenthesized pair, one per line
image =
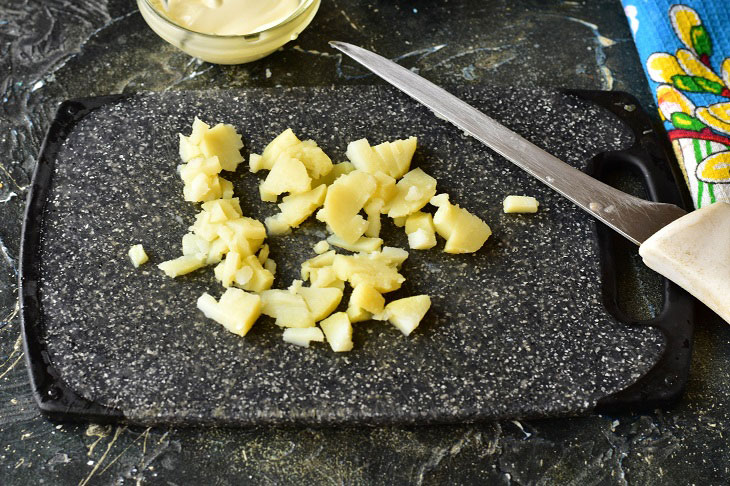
(321, 247)
(520, 204)
(138, 255)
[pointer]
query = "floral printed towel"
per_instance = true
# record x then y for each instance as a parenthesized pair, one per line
(685, 49)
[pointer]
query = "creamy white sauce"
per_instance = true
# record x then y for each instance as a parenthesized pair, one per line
(227, 17)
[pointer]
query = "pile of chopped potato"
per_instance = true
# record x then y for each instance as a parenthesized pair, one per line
(376, 181)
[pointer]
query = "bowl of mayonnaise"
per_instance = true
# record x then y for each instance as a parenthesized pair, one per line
(228, 31)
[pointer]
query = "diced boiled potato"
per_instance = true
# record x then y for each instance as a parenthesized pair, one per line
(182, 265)
(202, 188)
(520, 204)
(366, 297)
(302, 336)
(295, 208)
(237, 310)
(373, 209)
(270, 266)
(421, 231)
(392, 158)
(223, 142)
(367, 269)
(321, 247)
(325, 277)
(287, 175)
(188, 150)
(318, 164)
(358, 314)
(193, 244)
(337, 170)
(386, 188)
(255, 162)
(275, 148)
(400, 221)
(345, 198)
(222, 210)
(364, 158)
(227, 269)
(406, 314)
(321, 301)
(288, 309)
(199, 165)
(264, 254)
(262, 278)
(363, 244)
(237, 241)
(464, 232)
(138, 255)
(403, 151)
(199, 129)
(323, 260)
(218, 248)
(414, 191)
(276, 225)
(226, 188)
(391, 256)
(338, 330)
(266, 195)
(249, 228)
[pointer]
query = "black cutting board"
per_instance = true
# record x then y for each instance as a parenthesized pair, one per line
(523, 328)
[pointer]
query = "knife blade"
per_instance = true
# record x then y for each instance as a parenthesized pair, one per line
(632, 217)
(689, 249)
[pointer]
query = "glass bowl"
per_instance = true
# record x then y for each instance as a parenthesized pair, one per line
(229, 49)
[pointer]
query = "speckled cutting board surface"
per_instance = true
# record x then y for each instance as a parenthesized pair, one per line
(517, 329)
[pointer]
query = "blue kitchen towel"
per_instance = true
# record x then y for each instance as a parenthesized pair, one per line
(685, 50)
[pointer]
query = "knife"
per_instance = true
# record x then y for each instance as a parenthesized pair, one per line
(692, 250)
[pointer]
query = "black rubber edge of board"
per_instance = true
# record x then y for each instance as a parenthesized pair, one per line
(660, 387)
(652, 160)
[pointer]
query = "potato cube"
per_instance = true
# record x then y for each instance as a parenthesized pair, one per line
(264, 254)
(318, 164)
(270, 266)
(295, 208)
(464, 232)
(289, 310)
(358, 314)
(226, 270)
(338, 331)
(421, 231)
(276, 225)
(321, 301)
(337, 170)
(188, 150)
(275, 148)
(364, 158)
(362, 269)
(263, 278)
(199, 165)
(302, 336)
(321, 247)
(255, 162)
(406, 314)
(390, 256)
(287, 175)
(345, 199)
(520, 204)
(193, 244)
(199, 129)
(324, 260)
(363, 244)
(414, 191)
(222, 210)
(237, 310)
(182, 265)
(138, 255)
(366, 297)
(223, 142)
(325, 277)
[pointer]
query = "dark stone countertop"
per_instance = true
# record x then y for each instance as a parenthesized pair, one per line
(59, 49)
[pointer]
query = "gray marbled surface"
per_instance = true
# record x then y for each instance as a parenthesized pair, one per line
(58, 49)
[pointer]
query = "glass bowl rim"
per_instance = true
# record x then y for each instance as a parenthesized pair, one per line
(305, 4)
